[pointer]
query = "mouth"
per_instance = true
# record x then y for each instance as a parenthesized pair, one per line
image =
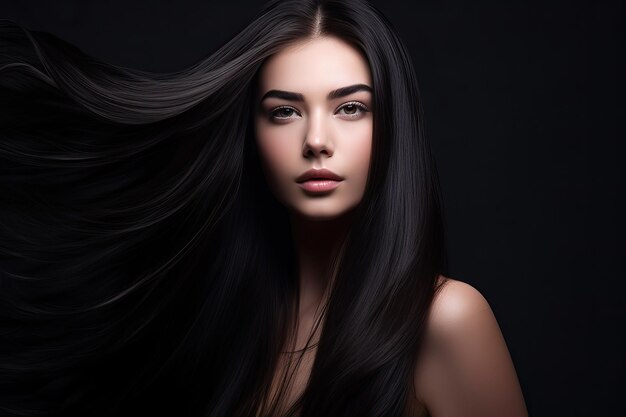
(319, 180)
(318, 174)
(319, 185)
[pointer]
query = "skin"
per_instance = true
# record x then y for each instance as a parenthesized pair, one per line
(464, 368)
(317, 132)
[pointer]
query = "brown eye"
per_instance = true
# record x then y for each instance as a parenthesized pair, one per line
(350, 109)
(353, 109)
(282, 113)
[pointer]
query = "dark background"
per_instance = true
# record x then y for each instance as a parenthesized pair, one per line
(524, 109)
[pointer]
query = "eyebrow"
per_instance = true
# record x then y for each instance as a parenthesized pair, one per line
(340, 92)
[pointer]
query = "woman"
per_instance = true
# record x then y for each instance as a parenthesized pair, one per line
(258, 235)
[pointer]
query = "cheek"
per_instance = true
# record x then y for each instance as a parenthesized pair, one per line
(276, 152)
(358, 148)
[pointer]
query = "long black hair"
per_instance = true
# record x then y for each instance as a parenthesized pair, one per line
(146, 267)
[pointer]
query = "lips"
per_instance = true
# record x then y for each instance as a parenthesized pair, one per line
(318, 175)
(319, 181)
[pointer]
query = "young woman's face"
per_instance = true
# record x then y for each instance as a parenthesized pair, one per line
(314, 113)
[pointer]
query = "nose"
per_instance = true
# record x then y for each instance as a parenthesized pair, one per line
(317, 140)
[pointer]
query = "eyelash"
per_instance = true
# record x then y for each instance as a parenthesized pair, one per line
(358, 105)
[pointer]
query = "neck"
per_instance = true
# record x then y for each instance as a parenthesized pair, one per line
(316, 243)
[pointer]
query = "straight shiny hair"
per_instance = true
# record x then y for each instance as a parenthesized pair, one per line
(146, 268)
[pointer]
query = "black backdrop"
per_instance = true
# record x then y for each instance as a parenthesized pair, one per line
(523, 106)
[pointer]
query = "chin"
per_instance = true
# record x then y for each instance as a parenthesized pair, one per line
(319, 217)
(320, 214)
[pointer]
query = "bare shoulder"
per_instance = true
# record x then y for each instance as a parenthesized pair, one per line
(455, 302)
(464, 366)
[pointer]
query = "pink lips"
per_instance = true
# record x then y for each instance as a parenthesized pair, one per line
(318, 180)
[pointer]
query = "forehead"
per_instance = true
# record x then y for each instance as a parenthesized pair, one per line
(320, 64)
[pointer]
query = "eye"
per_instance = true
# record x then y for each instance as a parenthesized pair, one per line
(353, 109)
(283, 113)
